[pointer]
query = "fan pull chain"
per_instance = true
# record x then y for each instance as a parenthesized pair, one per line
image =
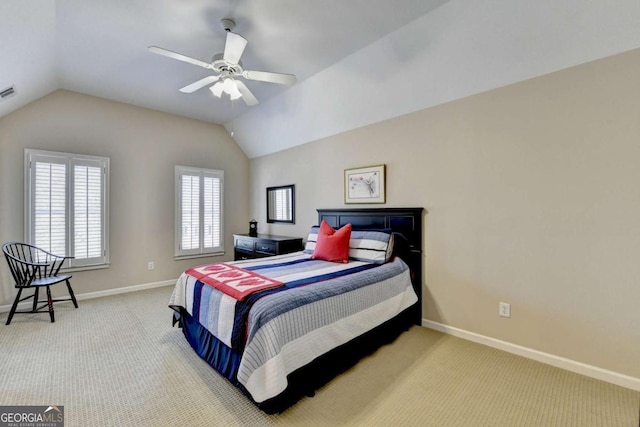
(232, 115)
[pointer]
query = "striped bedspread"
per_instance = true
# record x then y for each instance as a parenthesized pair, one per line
(322, 305)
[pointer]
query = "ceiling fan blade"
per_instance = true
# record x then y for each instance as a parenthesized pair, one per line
(199, 84)
(265, 76)
(233, 47)
(178, 56)
(247, 96)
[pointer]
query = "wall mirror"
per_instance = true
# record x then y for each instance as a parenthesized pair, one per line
(281, 204)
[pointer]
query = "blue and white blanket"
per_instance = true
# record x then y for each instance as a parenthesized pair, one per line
(321, 306)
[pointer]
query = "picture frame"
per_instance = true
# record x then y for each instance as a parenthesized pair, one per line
(365, 184)
(281, 204)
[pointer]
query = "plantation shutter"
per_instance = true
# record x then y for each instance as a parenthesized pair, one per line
(190, 212)
(198, 211)
(87, 214)
(49, 200)
(212, 214)
(66, 205)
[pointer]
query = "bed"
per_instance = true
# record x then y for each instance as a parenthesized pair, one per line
(296, 322)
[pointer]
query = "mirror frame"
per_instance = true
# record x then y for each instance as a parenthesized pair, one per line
(292, 187)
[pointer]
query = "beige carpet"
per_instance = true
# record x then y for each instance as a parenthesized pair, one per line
(116, 361)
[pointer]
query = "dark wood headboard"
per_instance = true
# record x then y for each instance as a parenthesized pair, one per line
(406, 225)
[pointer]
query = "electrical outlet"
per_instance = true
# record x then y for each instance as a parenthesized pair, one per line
(504, 309)
(150, 265)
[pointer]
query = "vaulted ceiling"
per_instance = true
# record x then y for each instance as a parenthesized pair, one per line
(357, 62)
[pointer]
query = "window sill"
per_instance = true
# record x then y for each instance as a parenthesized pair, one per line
(85, 268)
(181, 257)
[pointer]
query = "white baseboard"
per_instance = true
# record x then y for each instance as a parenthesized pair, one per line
(99, 294)
(550, 359)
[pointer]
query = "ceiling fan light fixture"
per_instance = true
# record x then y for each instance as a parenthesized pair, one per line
(233, 91)
(216, 89)
(228, 86)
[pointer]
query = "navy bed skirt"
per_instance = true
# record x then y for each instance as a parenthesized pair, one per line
(220, 357)
(305, 380)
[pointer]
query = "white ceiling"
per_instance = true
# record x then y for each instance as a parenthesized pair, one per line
(99, 47)
(357, 61)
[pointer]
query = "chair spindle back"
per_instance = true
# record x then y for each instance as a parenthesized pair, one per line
(28, 262)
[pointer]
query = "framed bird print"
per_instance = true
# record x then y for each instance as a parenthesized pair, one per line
(365, 184)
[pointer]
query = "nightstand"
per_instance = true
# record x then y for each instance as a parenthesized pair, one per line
(263, 245)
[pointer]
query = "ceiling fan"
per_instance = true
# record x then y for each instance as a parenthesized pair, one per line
(228, 68)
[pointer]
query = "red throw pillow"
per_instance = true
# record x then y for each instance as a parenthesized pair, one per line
(332, 245)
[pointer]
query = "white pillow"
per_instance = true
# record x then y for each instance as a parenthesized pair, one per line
(374, 246)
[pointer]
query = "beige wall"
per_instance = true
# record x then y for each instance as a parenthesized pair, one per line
(533, 193)
(144, 146)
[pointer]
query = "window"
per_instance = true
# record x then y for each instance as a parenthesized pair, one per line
(66, 205)
(199, 196)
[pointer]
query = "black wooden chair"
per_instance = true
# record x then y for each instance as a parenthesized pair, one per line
(35, 268)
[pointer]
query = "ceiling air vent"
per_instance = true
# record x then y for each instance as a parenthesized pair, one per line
(7, 93)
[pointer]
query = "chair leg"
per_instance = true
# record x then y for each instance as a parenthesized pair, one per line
(14, 306)
(73, 297)
(35, 299)
(50, 301)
